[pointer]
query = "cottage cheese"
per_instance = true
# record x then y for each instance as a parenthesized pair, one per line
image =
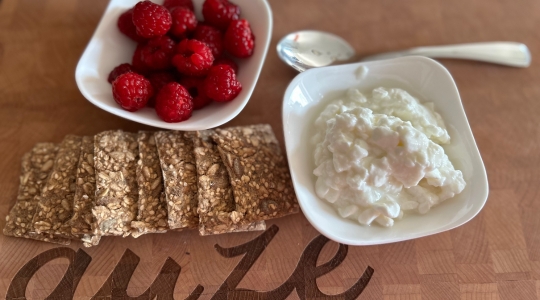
(379, 157)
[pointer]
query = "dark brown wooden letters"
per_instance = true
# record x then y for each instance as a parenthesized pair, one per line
(78, 262)
(303, 279)
(115, 287)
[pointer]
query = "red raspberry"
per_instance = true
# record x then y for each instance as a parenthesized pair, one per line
(211, 36)
(151, 20)
(227, 61)
(220, 12)
(239, 40)
(119, 70)
(170, 4)
(158, 81)
(195, 88)
(132, 91)
(126, 26)
(193, 58)
(137, 62)
(184, 21)
(221, 84)
(156, 54)
(173, 103)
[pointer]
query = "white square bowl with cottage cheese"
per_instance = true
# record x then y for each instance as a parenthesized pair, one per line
(109, 48)
(425, 79)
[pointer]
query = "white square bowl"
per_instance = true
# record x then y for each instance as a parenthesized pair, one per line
(109, 48)
(424, 78)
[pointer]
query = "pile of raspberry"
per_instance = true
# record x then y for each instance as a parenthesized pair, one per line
(181, 64)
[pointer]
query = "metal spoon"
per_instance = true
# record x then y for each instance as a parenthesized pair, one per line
(308, 49)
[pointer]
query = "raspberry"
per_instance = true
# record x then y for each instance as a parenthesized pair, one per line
(221, 84)
(193, 58)
(220, 12)
(173, 103)
(211, 36)
(156, 54)
(227, 61)
(239, 40)
(137, 62)
(184, 21)
(119, 70)
(126, 26)
(170, 4)
(195, 88)
(132, 91)
(158, 81)
(151, 20)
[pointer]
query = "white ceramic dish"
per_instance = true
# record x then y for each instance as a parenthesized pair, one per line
(307, 95)
(109, 48)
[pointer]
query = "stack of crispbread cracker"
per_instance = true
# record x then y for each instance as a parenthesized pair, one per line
(120, 184)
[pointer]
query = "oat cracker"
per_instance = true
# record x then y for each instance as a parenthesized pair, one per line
(36, 167)
(85, 190)
(259, 175)
(180, 178)
(215, 196)
(82, 222)
(152, 213)
(115, 160)
(55, 206)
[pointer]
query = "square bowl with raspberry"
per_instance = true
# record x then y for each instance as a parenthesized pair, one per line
(176, 64)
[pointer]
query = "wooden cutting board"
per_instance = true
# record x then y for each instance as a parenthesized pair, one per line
(494, 256)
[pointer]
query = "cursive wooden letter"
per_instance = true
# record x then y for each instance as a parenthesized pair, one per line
(78, 262)
(115, 287)
(253, 250)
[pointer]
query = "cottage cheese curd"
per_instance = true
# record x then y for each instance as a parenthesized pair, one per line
(380, 156)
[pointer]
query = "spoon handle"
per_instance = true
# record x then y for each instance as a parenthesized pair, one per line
(504, 53)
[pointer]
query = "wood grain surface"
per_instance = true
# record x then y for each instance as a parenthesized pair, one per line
(494, 256)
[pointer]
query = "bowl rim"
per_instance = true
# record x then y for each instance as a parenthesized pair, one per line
(484, 188)
(181, 126)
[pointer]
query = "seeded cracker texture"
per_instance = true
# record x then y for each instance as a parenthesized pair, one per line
(215, 197)
(259, 175)
(82, 222)
(55, 206)
(36, 167)
(115, 158)
(152, 213)
(180, 178)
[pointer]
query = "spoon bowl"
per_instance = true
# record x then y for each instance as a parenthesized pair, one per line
(308, 49)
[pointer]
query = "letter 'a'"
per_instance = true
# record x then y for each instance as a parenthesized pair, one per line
(78, 262)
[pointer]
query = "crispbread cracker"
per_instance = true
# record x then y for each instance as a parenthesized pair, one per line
(152, 211)
(115, 160)
(82, 222)
(36, 167)
(85, 190)
(259, 175)
(55, 207)
(215, 196)
(180, 178)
